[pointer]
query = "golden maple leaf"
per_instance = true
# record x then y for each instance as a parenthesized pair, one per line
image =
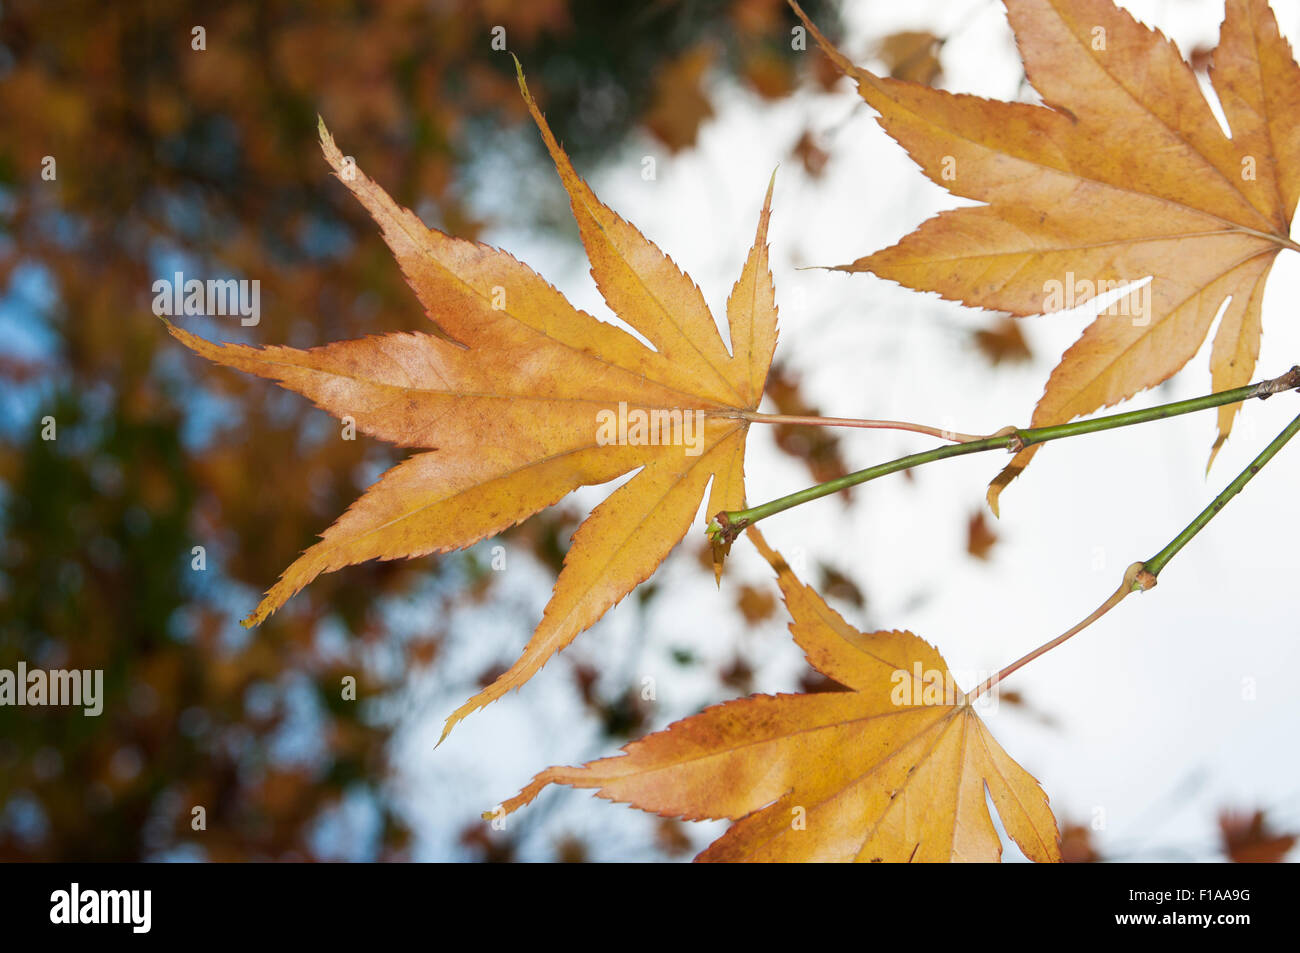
(884, 772)
(1121, 174)
(521, 399)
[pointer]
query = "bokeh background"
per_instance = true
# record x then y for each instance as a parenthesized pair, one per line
(1166, 732)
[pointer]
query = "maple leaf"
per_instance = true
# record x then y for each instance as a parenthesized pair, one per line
(521, 398)
(883, 772)
(1122, 173)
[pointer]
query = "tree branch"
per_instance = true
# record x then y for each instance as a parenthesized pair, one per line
(726, 526)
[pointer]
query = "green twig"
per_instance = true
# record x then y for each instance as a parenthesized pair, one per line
(726, 526)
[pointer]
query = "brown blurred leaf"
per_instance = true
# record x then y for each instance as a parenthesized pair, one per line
(490, 674)
(911, 55)
(421, 652)
(620, 717)
(585, 676)
(835, 583)
(755, 604)
(679, 104)
(489, 847)
(738, 675)
(813, 156)
(771, 75)
(571, 850)
(670, 835)
(1003, 342)
(814, 682)
(1076, 845)
(1247, 839)
(756, 18)
(980, 537)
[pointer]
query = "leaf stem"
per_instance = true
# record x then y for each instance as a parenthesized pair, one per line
(726, 526)
(939, 432)
(1115, 599)
(1141, 576)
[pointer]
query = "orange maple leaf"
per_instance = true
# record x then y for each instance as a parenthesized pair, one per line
(884, 772)
(522, 398)
(1123, 174)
